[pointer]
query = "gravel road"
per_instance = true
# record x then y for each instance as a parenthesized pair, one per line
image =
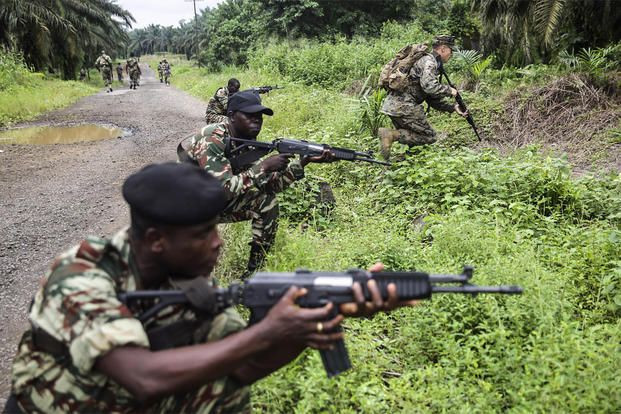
(52, 196)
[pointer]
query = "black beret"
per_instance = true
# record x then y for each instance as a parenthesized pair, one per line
(175, 193)
(247, 101)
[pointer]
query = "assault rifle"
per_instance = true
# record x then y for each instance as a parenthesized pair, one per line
(264, 290)
(266, 89)
(460, 102)
(247, 151)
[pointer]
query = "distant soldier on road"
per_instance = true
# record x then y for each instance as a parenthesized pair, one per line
(216, 108)
(160, 72)
(166, 71)
(119, 72)
(404, 106)
(133, 70)
(104, 65)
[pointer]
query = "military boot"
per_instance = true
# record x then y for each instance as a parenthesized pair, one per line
(256, 259)
(387, 136)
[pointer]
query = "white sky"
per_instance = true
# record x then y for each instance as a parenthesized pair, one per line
(164, 12)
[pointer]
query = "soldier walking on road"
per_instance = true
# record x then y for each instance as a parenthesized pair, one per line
(166, 71)
(133, 70)
(404, 105)
(104, 65)
(216, 107)
(119, 72)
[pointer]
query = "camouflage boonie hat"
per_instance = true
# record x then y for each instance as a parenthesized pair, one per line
(447, 40)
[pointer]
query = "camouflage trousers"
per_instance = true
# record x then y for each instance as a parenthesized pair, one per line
(134, 75)
(212, 117)
(262, 209)
(413, 127)
(106, 75)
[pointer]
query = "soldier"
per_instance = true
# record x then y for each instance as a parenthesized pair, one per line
(82, 74)
(160, 72)
(250, 189)
(85, 351)
(166, 71)
(104, 65)
(216, 107)
(119, 72)
(405, 107)
(133, 69)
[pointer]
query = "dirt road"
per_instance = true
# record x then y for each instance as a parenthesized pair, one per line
(52, 196)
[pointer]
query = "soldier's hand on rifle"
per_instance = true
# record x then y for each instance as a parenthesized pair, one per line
(326, 156)
(454, 92)
(276, 162)
(460, 112)
(364, 308)
(311, 326)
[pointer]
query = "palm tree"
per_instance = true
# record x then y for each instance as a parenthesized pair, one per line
(61, 34)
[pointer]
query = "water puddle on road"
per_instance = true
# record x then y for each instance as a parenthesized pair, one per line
(59, 135)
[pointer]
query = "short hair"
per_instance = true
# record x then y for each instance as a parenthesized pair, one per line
(234, 83)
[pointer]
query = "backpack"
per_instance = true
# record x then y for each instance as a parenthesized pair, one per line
(394, 74)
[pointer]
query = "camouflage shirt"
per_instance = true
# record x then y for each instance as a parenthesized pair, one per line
(132, 65)
(208, 149)
(217, 104)
(424, 86)
(104, 62)
(77, 305)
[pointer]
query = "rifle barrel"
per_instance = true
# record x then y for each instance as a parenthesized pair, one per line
(474, 289)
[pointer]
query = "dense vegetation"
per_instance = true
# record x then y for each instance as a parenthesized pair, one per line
(520, 218)
(518, 32)
(63, 35)
(25, 94)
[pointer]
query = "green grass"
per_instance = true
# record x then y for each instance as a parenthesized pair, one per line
(519, 219)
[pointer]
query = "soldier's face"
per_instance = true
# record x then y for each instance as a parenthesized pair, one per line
(233, 89)
(247, 125)
(189, 251)
(445, 53)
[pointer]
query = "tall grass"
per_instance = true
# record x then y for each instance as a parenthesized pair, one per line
(25, 94)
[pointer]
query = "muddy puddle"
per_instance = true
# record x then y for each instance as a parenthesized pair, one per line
(59, 135)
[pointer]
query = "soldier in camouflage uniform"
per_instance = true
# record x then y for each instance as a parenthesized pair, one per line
(104, 64)
(133, 70)
(86, 351)
(159, 72)
(405, 107)
(166, 71)
(119, 72)
(216, 107)
(250, 189)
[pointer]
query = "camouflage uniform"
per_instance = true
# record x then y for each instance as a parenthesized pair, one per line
(166, 72)
(104, 63)
(78, 306)
(134, 72)
(405, 107)
(160, 73)
(216, 107)
(251, 192)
